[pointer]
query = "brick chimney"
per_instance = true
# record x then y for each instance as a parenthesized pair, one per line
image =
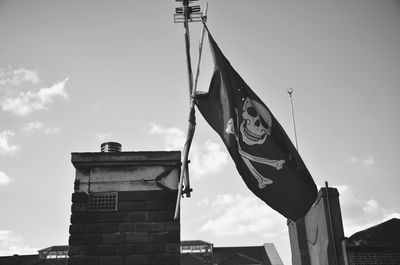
(123, 208)
(316, 238)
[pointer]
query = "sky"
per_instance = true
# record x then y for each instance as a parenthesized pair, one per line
(75, 74)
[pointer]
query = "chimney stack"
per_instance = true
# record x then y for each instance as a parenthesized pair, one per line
(123, 208)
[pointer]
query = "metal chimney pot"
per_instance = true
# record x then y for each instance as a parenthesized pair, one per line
(111, 147)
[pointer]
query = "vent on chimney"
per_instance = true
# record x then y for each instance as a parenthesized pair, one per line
(103, 202)
(111, 147)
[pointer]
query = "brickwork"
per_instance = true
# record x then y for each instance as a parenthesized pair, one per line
(141, 231)
(373, 257)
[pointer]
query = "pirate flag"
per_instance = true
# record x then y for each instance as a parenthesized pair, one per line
(263, 153)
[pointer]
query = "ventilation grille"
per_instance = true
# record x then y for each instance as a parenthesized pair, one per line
(103, 202)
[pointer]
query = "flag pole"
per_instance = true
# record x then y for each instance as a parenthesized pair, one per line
(186, 15)
(184, 176)
(192, 117)
(290, 92)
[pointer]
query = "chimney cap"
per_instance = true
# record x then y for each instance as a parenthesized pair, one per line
(110, 147)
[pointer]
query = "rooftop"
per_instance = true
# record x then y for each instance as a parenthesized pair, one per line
(386, 234)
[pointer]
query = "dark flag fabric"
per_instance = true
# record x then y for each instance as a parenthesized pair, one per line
(263, 153)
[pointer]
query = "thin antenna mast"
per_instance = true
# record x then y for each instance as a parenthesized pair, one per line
(290, 92)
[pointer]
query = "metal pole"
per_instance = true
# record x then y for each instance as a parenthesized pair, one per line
(290, 92)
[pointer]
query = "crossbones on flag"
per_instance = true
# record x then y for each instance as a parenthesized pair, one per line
(263, 153)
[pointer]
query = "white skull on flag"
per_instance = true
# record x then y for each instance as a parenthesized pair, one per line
(256, 124)
(255, 128)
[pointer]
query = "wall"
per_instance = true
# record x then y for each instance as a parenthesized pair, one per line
(373, 256)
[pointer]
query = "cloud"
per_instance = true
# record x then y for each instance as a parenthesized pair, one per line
(17, 95)
(104, 136)
(359, 214)
(23, 102)
(205, 159)
(39, 126)
(209, 158)
(391, 216)
(203, 202)
(4, 179)
(11, 243)
(371, 206)
(5, 146)
(51, 130)
(33, 126)
(173, 137)
(9, 77)
(365, 162)
(233, 215)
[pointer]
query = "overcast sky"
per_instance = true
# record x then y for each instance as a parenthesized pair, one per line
(74, 74)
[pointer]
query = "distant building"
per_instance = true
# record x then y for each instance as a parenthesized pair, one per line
(54, 255)
(379, 244)
(54, 252)
(196, 246)
(193, 252)
(197, 252)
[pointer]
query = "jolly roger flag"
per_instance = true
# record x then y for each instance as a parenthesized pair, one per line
(263, 153)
